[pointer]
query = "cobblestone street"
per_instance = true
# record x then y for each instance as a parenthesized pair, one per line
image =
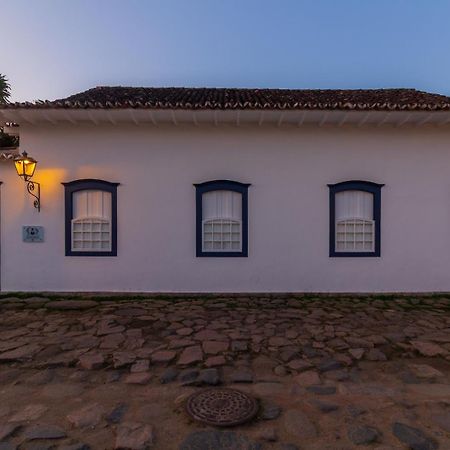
(328, 372)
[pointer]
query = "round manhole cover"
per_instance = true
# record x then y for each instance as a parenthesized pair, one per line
(221, 407)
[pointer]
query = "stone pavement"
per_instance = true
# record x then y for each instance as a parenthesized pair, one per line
(329, 372)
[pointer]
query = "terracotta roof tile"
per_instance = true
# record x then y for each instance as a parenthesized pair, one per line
(235, 98)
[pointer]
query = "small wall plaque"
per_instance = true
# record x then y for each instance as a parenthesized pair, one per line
(32, 233)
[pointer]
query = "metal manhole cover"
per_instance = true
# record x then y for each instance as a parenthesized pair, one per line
(221, 407)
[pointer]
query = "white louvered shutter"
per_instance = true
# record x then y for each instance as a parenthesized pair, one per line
(355, 225)
(222, 221)
(91, 222)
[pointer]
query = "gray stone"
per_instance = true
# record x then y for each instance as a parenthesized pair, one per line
(322, 390)
(91, 361)
(413, 437)
(269, 410)
(134, 436)
(218, 440)
(363, 435)
(209, 376)
(116, 415)
(30, 412)
(44, 432)
(169, 375)
(288, 447)
(188, 376)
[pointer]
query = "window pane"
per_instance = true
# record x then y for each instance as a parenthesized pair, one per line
(355, 235)
(227, 235)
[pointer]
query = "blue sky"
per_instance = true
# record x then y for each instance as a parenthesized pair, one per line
(53, 48)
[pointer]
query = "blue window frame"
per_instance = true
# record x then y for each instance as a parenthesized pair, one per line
(356, 235)
(222, 221)
(99, 234)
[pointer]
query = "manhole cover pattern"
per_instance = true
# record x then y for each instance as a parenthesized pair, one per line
(221, 407)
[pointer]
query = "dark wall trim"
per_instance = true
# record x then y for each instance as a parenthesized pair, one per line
(218, 185)
(81, 185)
(357, 185)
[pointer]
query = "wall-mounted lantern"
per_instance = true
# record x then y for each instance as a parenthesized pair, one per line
(25, 167)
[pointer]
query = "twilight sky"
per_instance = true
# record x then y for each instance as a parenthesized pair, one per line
(53, 48)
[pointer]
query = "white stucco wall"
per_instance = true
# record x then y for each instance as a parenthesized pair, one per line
(288, 168)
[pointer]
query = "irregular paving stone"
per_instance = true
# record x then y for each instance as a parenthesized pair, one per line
(425, 371)
(134, 436)
(375, 354)
(190, 355)
(138, 378)
(322, 390)
(112, 341)
(277, 341)
(269, 410)
(210, 335)
(122, 359)
(8, 429)
(41, 377)
(20, 354)
(214, 361)
(188, 375)
(30, 412)
(71, 304)
(363, 435)
(308, 378)
(357, 353)
(44, 432)
(209, 376)
(91, 361)
(299, 364)
(413, 437)
(428, 348)
(163, 356)
(239, 346)
(116, 415)
(214, 347)
(324, 406)
(241, 375)
(297, 424)
(289, 447)
(88, 416)
(329, 364)
(184, 331)
(169, 375)
(140, 366)
(280, 371)
(218, 440)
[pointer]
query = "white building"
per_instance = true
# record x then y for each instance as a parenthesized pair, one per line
(230, 190)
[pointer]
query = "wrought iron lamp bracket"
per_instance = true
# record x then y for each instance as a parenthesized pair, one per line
(32, 187)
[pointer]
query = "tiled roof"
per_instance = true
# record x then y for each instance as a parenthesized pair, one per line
(105, 97)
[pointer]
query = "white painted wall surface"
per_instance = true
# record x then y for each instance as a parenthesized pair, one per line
(288, 168)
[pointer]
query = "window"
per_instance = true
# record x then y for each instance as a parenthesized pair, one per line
(355, 209)
(222, 218)
(91, 218)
